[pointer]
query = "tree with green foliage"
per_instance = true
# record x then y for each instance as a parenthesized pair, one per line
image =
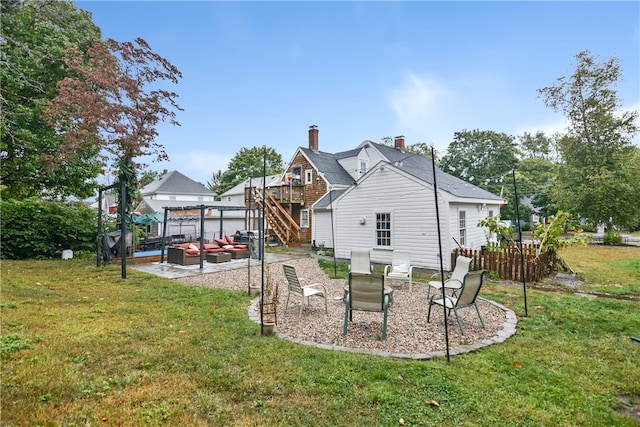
(115, 101)
(216, 179)
(34, 38)
(421, 148)
(248, 163)
(483, 158)
(599, 176)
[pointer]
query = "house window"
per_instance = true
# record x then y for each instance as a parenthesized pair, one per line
(296, 174)
(491, 214)
(172, 197)
(383, 229)
(304, 218)
(200, 198)
(308, 176)
(363, 167)
(228, 198)
(462, 226)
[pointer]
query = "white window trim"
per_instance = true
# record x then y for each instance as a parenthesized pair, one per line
(308, 176)
(375, 230)
(304, 223)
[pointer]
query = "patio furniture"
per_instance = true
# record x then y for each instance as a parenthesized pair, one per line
(360, 261)
(296, 287)
(400, 268)
(218, 257)
(177, 255)
(366, 293)
(455, 281)
(467, 296)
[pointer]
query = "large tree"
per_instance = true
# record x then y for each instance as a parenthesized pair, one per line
(599, 177)
(34, 37)
(115, 102)
(248, 163)
(483, 158)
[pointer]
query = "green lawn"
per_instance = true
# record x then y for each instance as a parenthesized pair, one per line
(80, 346)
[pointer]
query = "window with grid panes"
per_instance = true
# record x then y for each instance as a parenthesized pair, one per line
(462, 226)
(383, 229)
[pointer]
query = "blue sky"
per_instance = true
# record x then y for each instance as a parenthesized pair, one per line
(260, 73)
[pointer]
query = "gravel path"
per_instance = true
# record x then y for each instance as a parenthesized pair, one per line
(408, 333)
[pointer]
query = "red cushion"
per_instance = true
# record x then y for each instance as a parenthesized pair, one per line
(244, 247)
(229, 239)
(192, 252)
(220, 242)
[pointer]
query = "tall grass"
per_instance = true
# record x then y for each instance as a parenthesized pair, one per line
(80, 346)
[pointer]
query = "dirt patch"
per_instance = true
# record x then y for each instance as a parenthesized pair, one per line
(630, 406)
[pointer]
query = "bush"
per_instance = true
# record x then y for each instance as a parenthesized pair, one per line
(612, 238)
(35, 228)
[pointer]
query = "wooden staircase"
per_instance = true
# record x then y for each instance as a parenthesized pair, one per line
(277, 219)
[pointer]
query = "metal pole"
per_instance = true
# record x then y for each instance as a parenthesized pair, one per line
(123, 227)
(333, 238)
(201, 237)
(524, 282)
(164, 234)
(100, 239)
(264, 201)
(444, 309)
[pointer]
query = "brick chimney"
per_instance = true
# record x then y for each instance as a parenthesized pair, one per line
(398, 142)
(313, 138)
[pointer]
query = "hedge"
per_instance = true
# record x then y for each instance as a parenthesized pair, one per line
(33, 228)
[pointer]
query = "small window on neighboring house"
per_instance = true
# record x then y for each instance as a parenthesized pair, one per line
(383, 229)
(308, 176)
(228, 198)
(172, 197)
(200, 198)
(462, 225)
(490, 214)
(304, 218)
(363, 167)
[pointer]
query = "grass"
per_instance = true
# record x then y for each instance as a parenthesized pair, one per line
(611, 269)
(81, 346)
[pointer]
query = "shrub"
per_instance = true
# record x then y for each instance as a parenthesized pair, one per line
(612, 238)
(33, 228)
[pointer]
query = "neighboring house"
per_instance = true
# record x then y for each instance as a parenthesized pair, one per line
(381, 198)
(184, 196)
(237, 195)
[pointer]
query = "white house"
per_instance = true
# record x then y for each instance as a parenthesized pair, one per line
(390, 204)
(184, 197)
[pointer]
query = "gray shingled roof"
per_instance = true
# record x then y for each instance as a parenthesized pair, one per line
(413, 164)
(175, 183)
(325, 200)
(328, 165)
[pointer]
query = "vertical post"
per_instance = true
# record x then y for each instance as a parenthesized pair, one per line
(333, 237)
(201, 237)
(444, 310)
(100, 239)
(123, 227)
(524, 283)
(264, 201)
(164, 234)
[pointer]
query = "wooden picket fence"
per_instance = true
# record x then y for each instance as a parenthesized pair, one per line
(506, 262)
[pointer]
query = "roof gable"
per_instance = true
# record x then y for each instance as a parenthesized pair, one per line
(175, 183)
